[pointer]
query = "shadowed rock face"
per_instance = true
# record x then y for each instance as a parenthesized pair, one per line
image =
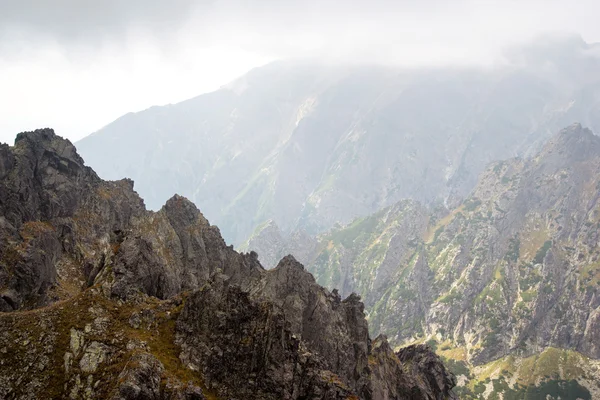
(134, 304)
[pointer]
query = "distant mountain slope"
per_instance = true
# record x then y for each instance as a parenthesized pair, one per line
(510, 273)
(308, 145)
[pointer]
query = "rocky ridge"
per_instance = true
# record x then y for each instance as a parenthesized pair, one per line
(104, 299)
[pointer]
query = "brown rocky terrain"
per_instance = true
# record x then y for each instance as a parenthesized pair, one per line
(101, 298)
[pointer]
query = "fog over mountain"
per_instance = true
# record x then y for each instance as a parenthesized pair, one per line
(77, 65)
(309, 145)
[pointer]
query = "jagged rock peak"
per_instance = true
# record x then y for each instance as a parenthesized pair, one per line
(47, 139)
(574, 141)
(124, 273)
(290, 261)
(181, 207)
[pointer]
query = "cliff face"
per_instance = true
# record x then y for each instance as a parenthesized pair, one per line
(103, 299)
(509, 277)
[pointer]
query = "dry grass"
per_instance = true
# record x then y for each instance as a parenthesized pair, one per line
(430, 232)
(77, 312)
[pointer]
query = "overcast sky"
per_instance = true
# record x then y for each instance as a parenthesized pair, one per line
(76, 65)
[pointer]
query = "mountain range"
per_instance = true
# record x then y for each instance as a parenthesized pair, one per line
(443, 196)
(506, 285)
(452, 201)
(309, 145)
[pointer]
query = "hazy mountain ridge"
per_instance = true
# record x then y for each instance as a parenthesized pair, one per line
(511, 271)
(308, 145)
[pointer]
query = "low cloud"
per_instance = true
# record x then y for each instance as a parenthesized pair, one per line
(78, 64)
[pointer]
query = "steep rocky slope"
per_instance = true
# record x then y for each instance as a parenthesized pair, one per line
(102, 299)
(503, 281)
(309, 145)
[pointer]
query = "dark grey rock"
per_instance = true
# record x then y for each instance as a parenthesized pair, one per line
(244, 331)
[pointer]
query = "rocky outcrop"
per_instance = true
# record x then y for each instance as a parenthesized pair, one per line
(141, 380)
(423, 362)
(334, 328)
(55, 212)
(245, 349)
(108, 300)
(408, 363)
(284, 367)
